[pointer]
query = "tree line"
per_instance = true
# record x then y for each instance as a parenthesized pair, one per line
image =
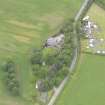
(10, 77)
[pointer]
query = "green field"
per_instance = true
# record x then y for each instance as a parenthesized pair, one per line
(87, 86)
(24, 25)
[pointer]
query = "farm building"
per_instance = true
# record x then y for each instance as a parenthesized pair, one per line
(55, 41)
(88, 26)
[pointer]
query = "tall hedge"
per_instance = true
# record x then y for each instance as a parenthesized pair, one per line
(10, 78)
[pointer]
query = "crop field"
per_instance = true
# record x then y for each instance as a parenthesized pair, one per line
(87, 86)
(24, 25)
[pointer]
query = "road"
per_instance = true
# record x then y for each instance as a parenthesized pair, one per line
(72, 66)
(81, 10)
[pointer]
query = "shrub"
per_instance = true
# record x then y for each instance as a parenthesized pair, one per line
(11, 82)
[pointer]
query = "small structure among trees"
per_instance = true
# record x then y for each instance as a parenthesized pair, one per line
(50, 64)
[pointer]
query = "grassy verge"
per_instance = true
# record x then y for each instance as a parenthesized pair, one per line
(87, 84)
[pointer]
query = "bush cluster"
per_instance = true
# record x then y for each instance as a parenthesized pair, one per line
(11, 82)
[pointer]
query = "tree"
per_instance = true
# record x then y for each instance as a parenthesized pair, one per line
(40, 72)
(49, 55)
(36, 57)
(63, 72)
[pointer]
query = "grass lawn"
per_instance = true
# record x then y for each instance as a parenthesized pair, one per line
(25, 24)
(87, 86)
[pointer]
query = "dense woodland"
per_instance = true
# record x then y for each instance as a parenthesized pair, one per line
(51, 65)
